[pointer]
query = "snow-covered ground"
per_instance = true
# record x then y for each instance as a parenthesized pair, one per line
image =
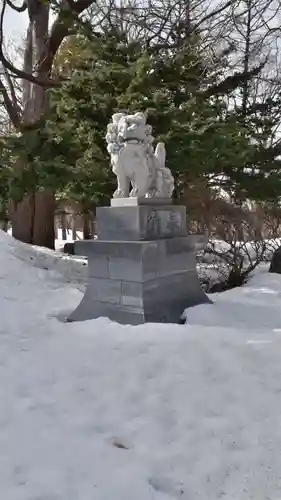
(100, 411)
(60, 242)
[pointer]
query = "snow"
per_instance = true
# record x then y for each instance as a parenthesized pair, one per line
(100, 411)
(60, 242)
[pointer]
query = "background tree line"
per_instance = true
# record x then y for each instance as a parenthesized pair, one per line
(206, 72)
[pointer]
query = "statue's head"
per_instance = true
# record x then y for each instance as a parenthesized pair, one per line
(117, 117)
(132, 127)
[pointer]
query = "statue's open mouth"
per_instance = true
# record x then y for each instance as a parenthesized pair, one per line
(134, 140)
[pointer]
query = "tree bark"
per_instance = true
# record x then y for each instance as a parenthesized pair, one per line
(22, 217)
(87, 235)
(4, 223)
(63, 226)
(246, 62)
(73, 227)
(43, 224)
(33, 217)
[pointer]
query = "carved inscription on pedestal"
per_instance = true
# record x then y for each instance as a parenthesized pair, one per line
(163, 223)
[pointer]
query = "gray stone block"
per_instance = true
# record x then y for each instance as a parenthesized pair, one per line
(132, 294)
(147, 281)
(125, 268)
(137, 261)
(159, 260)
(144, 222)
(120, 249)
(144, 268)
(99, 267)
(172, 287)
(89, 309)
(105, 290)
(136, 201)
(139, 305)
(177, 246)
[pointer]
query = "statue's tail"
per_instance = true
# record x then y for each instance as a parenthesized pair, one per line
(160, 153)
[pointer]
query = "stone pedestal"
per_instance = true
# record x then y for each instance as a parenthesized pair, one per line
(144, 222)
(142, 267)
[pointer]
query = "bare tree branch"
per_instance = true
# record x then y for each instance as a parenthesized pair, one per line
(9, 66)
(14, 98)
(214, 13)
(233, 81)
(60, 30)
(11, 109)
(22, 8)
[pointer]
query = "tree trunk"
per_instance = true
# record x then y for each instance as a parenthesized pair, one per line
(63, 226)
(73, 227)
(33, 217)
(22, 217)
(43, 224)
(246, 62)
(87, 235)
(22, 213)
(4, 223)
(93, 225)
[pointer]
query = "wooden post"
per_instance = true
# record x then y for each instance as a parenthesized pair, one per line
(63, 225)
(73, 225)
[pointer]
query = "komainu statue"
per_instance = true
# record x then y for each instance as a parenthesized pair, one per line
(140, 170)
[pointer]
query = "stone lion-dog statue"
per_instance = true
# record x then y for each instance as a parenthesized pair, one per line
(140, 170)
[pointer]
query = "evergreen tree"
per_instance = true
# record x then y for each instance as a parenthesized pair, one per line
(182, 89)
(173, 85)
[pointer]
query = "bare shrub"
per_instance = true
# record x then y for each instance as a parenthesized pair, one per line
(240, 237)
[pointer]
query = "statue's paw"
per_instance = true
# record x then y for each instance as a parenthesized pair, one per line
(118, 194)
(150, 194)
(134, 193)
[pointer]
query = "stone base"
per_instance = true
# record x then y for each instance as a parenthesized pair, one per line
(134, 282)
(166, 312)
(135, 201)
(144, 222)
